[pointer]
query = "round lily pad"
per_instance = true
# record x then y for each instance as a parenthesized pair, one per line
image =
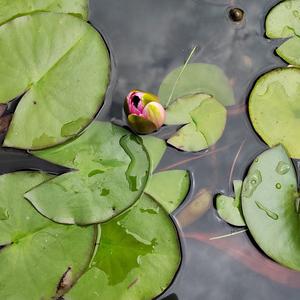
(36, 252)
(283, 20)
(62, 70)
(17, 8)
(196, 78)
(274, 108)
(110, 170)
(207, 119)
(270, 206)
(138, 256)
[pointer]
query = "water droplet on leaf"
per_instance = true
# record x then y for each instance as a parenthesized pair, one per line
(269, 213)
(282, 168)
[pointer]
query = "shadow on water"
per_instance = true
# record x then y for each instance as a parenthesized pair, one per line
(150, 38)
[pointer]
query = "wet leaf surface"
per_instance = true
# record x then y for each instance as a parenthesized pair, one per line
(229, 208)
(283, 21)
(63, 69)
(274, 108)
(111, 170)
(169, 188)
(196, 78)
(136, 259)
(37, 251)
(17, 8)
(269, 203)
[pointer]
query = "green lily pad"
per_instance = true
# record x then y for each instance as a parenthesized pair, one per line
(283, 20)
(111, 171)
(156, 148)
(274, 108)
(138, 256)
(289, 51)
(179, 111)
(196, 78)
(63, 69)
(270, 206)
(16, 8)
(207, 123)
(187, 138)
(229, 208)
(37, 252)
(169, 188)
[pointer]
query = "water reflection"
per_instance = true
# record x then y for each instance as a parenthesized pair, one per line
(148, 40)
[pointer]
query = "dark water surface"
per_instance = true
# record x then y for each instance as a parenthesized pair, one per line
(148, 39)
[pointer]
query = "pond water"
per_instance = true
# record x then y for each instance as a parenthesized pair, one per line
(147, 40)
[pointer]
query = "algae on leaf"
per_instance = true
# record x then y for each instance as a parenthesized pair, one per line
(270, 206)
(15, 8)
(37, 252)
(196, 78)
(138, 256)
(274, 108)
(63, 71)
(111, 168)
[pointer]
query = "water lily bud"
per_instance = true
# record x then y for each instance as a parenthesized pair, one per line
(144, 112)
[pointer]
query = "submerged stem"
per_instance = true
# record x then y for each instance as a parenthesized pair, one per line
(228, 235)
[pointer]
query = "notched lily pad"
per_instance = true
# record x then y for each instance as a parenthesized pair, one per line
(156, 148)
(63, 71)
(196, 78)
(283, 21)
(37, 252)
(274, 108)
(229, 208)
(111, 168)
(16, 8)
(207, 119)
(169, 188)
(133, 247)
(179, 111)
(270, 206)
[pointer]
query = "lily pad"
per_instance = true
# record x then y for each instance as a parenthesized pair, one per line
(156, 148)
(37, 252)
(289, 51)
(187, 138)
(207, 123)
(179, 111)
(229, 208)
(274, 108)
(63, 72)
(138, 256)
(270, 206)
(16, 8)
(169, 188)
(283, 20)
(111, 169)
(196, 78)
